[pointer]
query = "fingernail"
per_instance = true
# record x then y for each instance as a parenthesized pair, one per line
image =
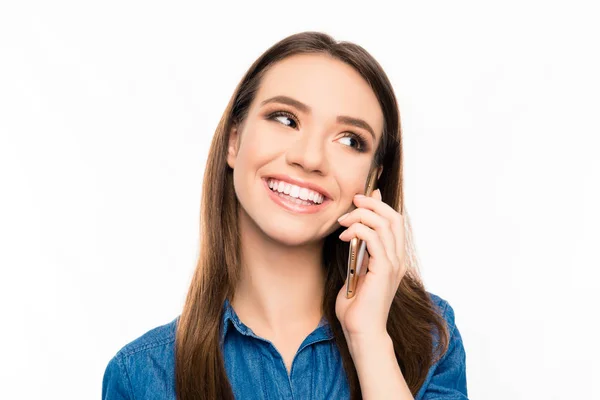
(343, 216)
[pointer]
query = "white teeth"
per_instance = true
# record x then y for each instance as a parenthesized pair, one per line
(299, 193)
(303, 194)
(295, 192)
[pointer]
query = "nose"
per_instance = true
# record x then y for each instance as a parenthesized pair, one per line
(308, 152)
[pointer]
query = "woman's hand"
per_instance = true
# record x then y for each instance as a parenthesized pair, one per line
(365, 315)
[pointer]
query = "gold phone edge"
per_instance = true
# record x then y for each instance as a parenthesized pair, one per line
(355, 243)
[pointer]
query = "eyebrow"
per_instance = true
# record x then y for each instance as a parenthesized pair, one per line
(342, 119)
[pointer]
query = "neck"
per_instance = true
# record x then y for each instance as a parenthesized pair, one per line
(281, 287)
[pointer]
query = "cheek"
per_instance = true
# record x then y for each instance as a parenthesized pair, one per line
(263, 143)
(352, 181)
(252, 145)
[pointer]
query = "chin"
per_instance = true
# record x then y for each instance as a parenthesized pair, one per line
(290, 235)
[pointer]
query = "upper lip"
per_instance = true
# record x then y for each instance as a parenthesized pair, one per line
(299, 182)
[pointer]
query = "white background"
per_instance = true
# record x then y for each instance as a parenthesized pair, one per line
(107, 110)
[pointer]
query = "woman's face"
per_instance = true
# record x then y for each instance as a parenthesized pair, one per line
(315, 123)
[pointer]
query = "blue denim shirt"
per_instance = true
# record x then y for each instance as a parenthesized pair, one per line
(145, 368)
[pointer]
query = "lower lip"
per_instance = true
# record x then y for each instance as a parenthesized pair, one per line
(293, 207)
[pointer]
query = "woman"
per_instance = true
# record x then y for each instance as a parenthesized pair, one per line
(266, 315)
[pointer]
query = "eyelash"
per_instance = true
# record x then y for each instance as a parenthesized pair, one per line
(362, 143)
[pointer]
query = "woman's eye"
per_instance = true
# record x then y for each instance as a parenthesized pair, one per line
(350, 139)
(284, 118)
(359, 142)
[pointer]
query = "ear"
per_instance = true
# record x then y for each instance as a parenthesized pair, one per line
(233, 146)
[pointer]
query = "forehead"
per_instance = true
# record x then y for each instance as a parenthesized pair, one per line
(327, 85)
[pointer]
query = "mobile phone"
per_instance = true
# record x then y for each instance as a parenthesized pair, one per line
(357, 246)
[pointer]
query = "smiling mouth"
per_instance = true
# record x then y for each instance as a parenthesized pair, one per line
(294, 204)
(295, 200)
(294, 193)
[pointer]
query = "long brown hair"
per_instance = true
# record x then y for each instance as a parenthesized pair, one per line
(413, 319)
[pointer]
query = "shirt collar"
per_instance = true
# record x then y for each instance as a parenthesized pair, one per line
(230, 318)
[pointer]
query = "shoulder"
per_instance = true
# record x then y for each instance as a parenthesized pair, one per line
(447, 376)
(445, 310)
(142, 366)
(159, 336)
